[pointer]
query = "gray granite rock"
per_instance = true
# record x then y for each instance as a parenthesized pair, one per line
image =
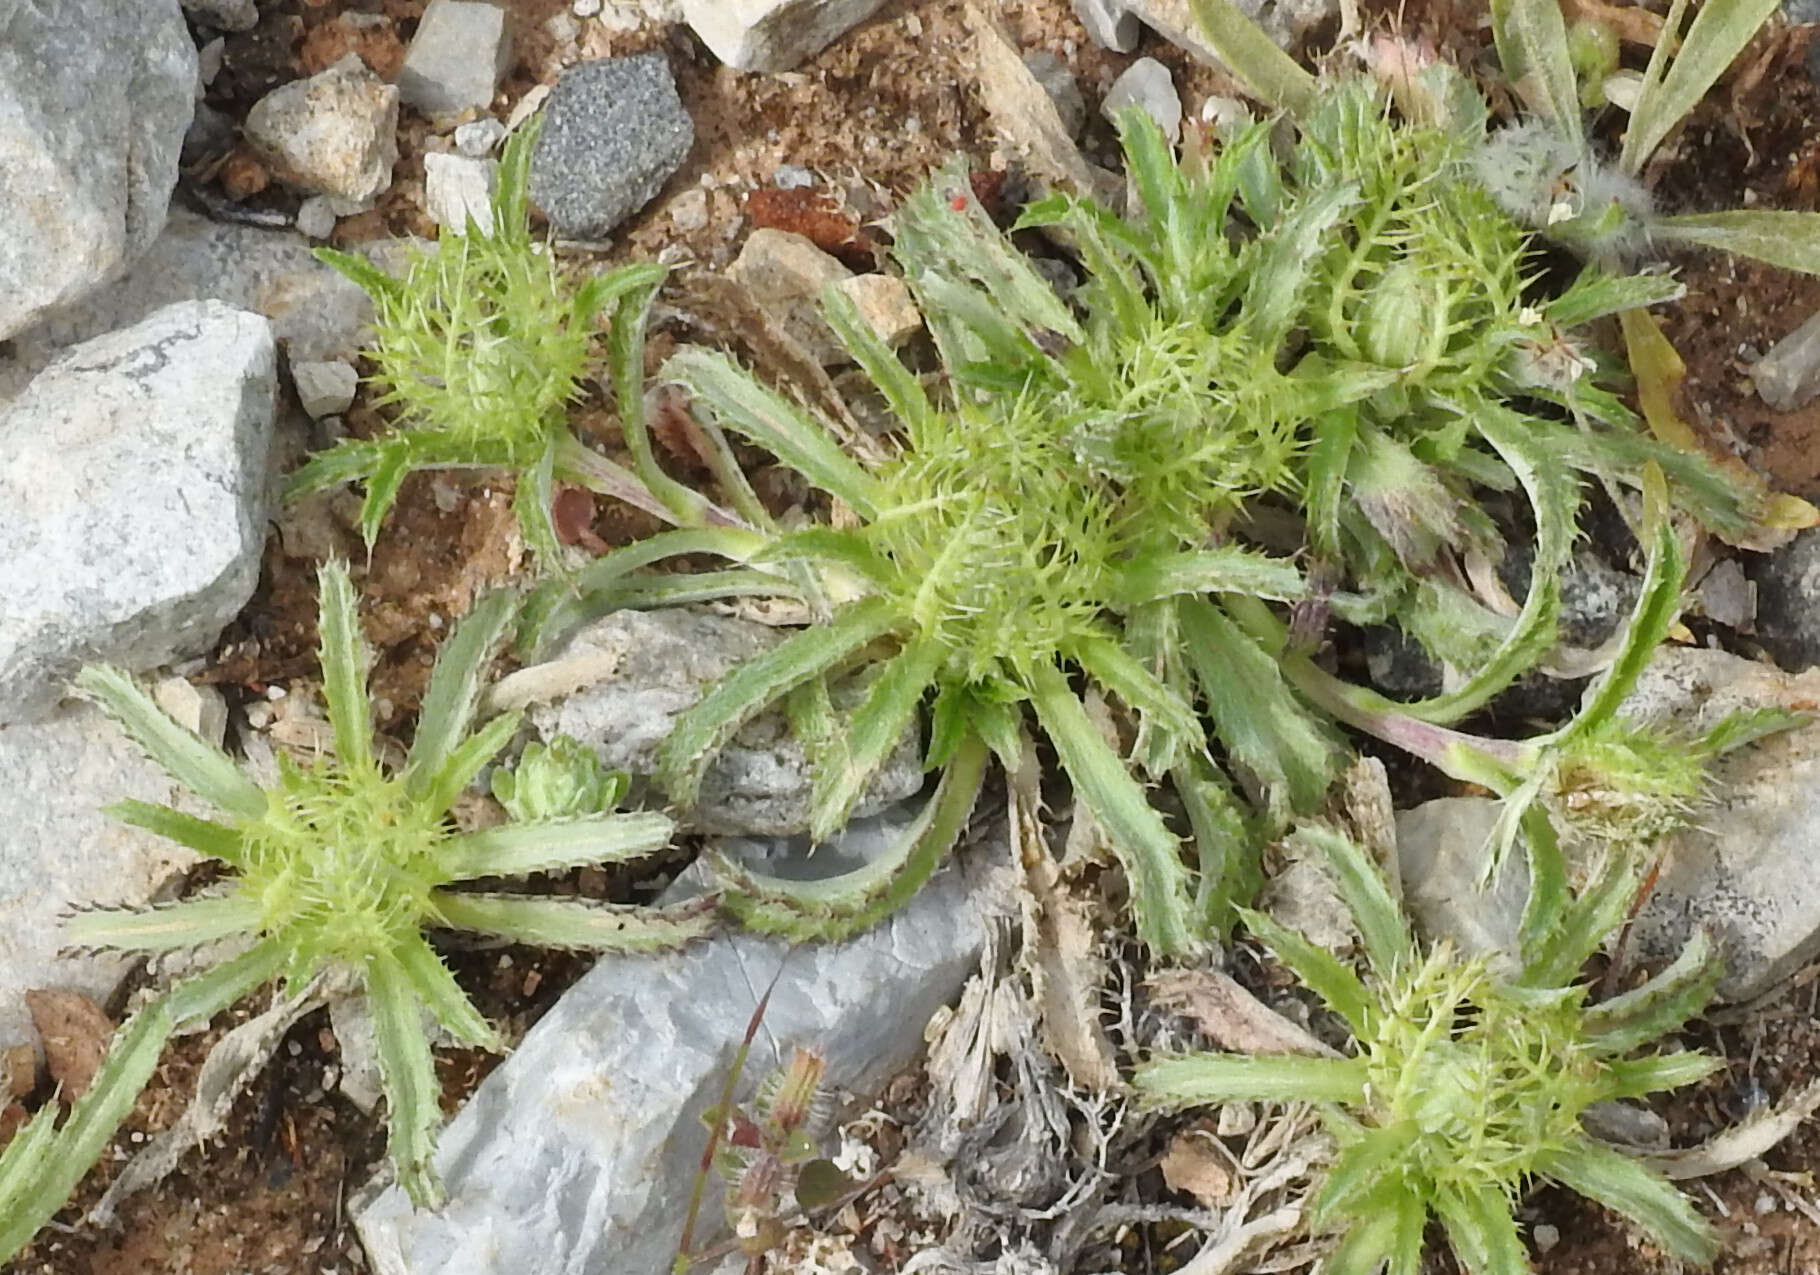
(1788, 600)
(333, 134)
(577, 1156)
(614, 130)
(325, 388)
(133, 473)
(1788, 376)
(315, 312)
(1441, 855)
(458, 189)
(1746, 866)
(772, 35)
(619, 683)
(95, 97)
(461, 50)
(58, 851)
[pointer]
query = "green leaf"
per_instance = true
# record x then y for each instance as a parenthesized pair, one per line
(766, 418)
(899, 385)
(1146, 849)
(1659, 1006)
(875, 729)
(1282, 272)
(1787, 239)
(1361, 883)
(1532, 49)
(1719, 33)
(455, 684)
(1321, 971)
(204, 836)
(1228, 569)
(437, 991)
(704, 729)
(195, 764)
(347, 461)
(1482, 1231)
(464, 762)
(1636, 1077)
(1200, 1080)
(1112, 668)
(1265, 70)
(1597, 293)
(835, 908)
(1364, 1167)
(392, 463)
(518, 849)
(344, 668)
(164, 927)
(573, 923)
(375, 282)
(408, 1075)
(1646, 1198)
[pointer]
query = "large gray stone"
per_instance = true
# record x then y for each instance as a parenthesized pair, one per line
(773, 35)
(619, 683)
(1442, 848)
(1745, 866)
(316, 313)
(58, 851)
(333, 134)
(614, 130)
(577, 1156)
(456, 59)
(133, 475)
(95, 97)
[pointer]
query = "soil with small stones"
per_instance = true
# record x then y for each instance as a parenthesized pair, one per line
(870, 117)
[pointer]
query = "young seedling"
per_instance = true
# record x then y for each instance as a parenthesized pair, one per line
(340, 866)
(1465, 1088)
(482, 347)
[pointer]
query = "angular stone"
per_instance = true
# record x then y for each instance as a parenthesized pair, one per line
(785, 273)
(477, 138)
(133, 473)
(224, 15)
(315, 312)
(885, 303)
(614, 130)
(325, 388)
(1146, 84)
(460, 52)
(458, 189)
(334, 134)
(580, 1151)
(58, 851)
(619, 683)
(1788, 600)
(1788, 376)
(95, 98)
(1110, 23)
(772, 35)
(1441, 854)
(1061, 86)
(1745, 866)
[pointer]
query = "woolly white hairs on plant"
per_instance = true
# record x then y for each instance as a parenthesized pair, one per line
(1544, 181)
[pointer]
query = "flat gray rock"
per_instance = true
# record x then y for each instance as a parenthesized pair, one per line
(95, 97)
(614, 130)
(58, 851)
(619, 683)
(316, 313)
(1441, 853)
(133, 473)
(577, 1156)
(456, 59)
(1746, 867)
(772, 35)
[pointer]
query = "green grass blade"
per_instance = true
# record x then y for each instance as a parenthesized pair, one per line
(408, 1076)
(1203, 1080)
(768, 419)
(704, 729)
(1321, 971)
(436, 990)
(194, 763)
(900, 386)
(204, 836)
(1532, 50)
(455, 685)
(1361, 883)
(165, 927)
(875, 729)
(375, 282)
(350, 460)
(1719, 33)
(345, 658)
(1787, 239)
(1624, 1186)
(1659, 1006)
(1115, 670)
(518, 849)
(1148, 851)
(1269, 73)
(575, 924)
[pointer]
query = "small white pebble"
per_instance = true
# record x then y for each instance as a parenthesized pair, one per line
(294, 1048)
(259, 715)
(275, 692)
(585, 8)
(505, 960)
(316, 217)
(477, 138)
(1546, 1237)
(383, 706)
(1766, 1203)
(136, 1136)
(434, 621)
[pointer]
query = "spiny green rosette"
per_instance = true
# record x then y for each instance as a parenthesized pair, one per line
(342, 864)
(1465, 1087)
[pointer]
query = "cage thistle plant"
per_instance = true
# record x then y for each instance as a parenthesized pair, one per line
(1465, 1087)
(343, 866)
